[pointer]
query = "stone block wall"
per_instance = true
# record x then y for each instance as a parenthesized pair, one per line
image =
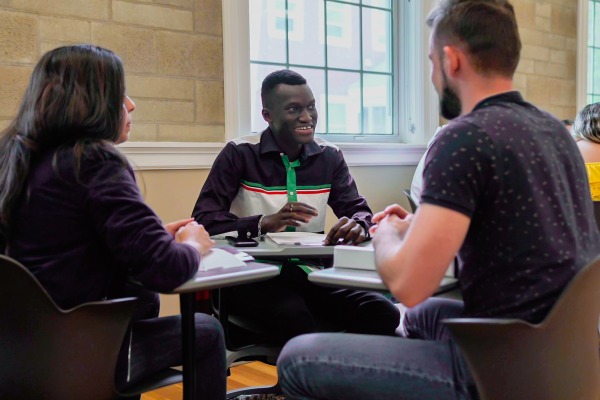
(172, 51)
(547, 72)
(173, 56)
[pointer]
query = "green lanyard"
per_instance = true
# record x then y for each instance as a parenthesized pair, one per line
(292, 194)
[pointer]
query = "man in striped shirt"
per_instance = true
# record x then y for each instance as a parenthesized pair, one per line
(283, 179)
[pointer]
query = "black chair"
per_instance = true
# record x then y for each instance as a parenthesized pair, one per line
(597, 212)
(411, 202)
(556, 359)
(50, 353)
(244, 341)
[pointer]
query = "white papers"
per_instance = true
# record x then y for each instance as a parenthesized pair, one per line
(356, 257)
(297, 238)
(218, 258)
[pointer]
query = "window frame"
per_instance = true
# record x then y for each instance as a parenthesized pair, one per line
(417, 107)
(582, 52)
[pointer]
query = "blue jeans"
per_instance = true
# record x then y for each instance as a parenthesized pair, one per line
(359, 367)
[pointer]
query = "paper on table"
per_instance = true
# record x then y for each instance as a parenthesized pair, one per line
(297, 238)
(218, 258)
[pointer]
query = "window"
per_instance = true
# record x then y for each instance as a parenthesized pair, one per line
(588, 52)
(593, 53)
(365, 61)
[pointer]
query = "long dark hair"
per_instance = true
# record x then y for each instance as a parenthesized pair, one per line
(74, 99)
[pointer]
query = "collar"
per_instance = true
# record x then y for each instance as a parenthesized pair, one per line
(268, 144)
(506, 97)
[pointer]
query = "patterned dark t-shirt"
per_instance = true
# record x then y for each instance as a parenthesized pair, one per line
(516, 172)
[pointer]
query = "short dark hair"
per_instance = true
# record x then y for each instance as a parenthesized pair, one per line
(587, 123)
(285, 76)
(486, 28)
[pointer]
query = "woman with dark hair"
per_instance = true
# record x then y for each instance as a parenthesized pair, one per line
(72, 213)
(586, 131)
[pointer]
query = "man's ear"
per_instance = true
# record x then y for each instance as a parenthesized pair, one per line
(265, 114)
(452, 60)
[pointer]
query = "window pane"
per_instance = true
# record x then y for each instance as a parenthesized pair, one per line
(590, 70)
(307, 40)
(315, 78)
(344, 114)
(596, 26)
(343, 36)
(258, 72)
(268, 33)
(596, 71)
(377, 40)
(377, 104)
(378, 3)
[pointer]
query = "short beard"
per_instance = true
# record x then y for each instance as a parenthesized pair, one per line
(450, 105)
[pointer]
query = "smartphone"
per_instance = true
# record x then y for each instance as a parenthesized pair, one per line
(241, 242)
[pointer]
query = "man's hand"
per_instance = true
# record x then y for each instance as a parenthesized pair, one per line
(292, 214)
(346, 229)
(393, 210)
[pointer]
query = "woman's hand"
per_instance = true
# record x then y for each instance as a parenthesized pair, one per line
(173, 227)
(196, 236)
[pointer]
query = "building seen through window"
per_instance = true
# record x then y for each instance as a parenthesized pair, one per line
(345, 50)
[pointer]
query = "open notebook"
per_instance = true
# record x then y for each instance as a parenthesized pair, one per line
(219, 258)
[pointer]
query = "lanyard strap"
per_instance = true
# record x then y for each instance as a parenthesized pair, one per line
(291, 187)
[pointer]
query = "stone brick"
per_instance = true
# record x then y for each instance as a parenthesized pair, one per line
(191, 133)
(179, 3)
(92, 9)
(520, 82)
(208, 17)
(18, 37)
(543, 24)
(540, 90)
(13, 82)
(544, 68)
(531, 36)
(159, 87)
(525, 12)
(557, 42)
(164, 111)
(4, 122)
(543, 9)
(535, 53)
(135, 46)
(142, 132)
(189, 55)
(525, 66)
(210, 102)
(151, 15)
(65, 30)
(564, 20)
(560, 56)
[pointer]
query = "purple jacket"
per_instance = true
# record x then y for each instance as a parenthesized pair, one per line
(83, 236)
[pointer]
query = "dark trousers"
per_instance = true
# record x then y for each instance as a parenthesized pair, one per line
(289, 305)
(153, 344)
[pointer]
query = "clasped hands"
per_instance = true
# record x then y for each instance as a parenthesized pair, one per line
(345, 231)
(190, 232)
(393, 220)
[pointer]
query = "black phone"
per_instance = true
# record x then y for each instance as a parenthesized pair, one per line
(241, 241)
